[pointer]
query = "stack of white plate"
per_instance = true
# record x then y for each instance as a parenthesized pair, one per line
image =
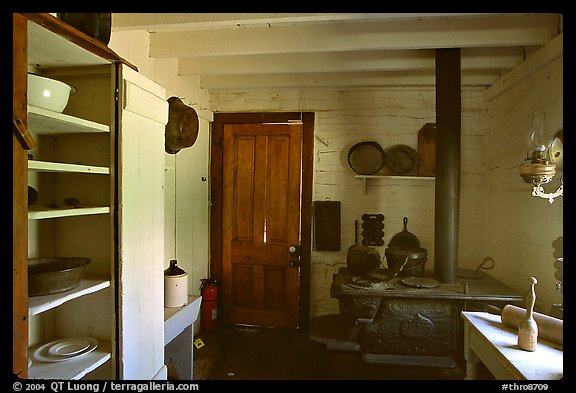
(65, 349)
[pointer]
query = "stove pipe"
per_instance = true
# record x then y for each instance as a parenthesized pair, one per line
(448, 144)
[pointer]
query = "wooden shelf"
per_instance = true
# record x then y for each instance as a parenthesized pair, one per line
(42, 212)
(394, 177)
(47, 166)
(365, 178)
(176, 319)
(39, 304)
(75, 368)
(45, 122)
(53, 43)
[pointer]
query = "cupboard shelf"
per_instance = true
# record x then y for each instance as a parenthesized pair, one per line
(47, 166)
(40, 304)
(45, 122)
(75, 368)
(43, 212)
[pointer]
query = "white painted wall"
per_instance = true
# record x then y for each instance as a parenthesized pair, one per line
(387, 116)
(520, 228)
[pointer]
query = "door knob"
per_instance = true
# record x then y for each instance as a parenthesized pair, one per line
(294, 250)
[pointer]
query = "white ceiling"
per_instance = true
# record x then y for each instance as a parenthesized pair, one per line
(338, 50)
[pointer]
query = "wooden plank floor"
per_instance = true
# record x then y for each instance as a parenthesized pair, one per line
(258, 354)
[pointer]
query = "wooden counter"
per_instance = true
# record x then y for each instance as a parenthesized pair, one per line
(488, 340)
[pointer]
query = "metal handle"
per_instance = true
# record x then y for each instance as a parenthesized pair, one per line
(294, 250)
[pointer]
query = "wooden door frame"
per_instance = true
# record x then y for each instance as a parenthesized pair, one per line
(216, 177)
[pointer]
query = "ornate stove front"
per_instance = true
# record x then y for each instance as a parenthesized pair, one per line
(412, 327)
(392, 323)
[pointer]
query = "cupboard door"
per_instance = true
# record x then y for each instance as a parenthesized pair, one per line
(141, 227)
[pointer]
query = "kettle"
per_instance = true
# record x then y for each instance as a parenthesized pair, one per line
(175, 286)
(362, 260)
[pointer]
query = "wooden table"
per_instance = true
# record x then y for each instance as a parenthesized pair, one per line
(488, 340)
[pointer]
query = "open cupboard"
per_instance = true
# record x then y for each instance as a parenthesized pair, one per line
(106, 150)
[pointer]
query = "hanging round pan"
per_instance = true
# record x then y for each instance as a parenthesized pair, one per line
(404, 238)
(401, 159)
(181, 130)
(366, 158)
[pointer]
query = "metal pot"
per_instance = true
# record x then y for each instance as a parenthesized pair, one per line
(181, 130)
(95, 25)
(414, 258)
(362, 260)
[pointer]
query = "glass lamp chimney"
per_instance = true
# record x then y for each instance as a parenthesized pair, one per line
(537, 142)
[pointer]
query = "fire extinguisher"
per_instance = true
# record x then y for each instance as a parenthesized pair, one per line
(209, 312)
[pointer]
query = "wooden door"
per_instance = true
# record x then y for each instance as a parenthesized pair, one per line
(261, 213)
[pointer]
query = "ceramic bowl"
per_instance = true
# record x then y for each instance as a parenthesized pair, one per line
(48, 93)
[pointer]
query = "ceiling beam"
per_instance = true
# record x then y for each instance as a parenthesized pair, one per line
(340, 80)
(196, 21)
(538, 60)
(503, 58)
(508, 30)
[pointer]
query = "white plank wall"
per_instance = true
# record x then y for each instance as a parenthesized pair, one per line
(389, 117)
(141, 221)
(520, 228)
(192, 218)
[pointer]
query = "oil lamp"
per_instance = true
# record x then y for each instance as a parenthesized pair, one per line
(538, 169)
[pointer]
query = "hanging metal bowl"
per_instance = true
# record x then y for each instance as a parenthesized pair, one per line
(401, 159)
(181, 131)
(366, 158)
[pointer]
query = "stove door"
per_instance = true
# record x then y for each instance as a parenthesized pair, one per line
(412, 327)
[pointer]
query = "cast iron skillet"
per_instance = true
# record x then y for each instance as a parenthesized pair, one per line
(404, 238)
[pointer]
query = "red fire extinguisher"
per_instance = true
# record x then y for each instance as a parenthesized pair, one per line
(209, 311)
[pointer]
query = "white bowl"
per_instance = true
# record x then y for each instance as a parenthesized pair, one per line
(48, 93)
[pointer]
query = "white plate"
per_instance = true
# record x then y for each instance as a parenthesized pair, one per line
(68, 347)
(42, 353)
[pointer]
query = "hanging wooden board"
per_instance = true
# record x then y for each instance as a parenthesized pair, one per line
(326, 225)
(427, 150)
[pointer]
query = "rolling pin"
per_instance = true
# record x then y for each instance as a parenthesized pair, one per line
(549, 328)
